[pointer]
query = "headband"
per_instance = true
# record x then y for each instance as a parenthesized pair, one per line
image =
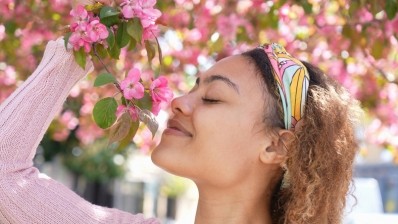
(292, 79)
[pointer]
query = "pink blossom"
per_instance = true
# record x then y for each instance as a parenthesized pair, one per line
(80, 39)
(284, 12)
(8, 76)
(144, 140)
(88, 132)
(391, 26)
(7, 10)
(59, 5)
(160, 92)
(142, 9)
(97, 31)
(203, 22)
(150, 32)
(228, 26)
(2, 32)
(155, 108)
(32, 37)
(86, 30)
(131, 110)
(79, 13)
(364, 15)
(131, 86)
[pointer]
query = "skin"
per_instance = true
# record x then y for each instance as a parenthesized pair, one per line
(232, 159)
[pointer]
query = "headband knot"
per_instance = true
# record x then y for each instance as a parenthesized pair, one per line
(292, 79)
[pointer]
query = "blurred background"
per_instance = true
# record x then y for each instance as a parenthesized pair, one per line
(355, 42)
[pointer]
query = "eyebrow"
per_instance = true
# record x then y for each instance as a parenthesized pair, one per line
(224, 79)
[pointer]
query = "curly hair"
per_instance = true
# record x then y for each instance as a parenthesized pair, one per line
(318, 169)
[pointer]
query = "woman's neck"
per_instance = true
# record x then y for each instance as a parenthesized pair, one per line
(232, 206)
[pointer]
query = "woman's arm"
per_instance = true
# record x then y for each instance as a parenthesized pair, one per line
(26, 196)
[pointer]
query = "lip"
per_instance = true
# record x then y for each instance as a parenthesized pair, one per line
(176, 128)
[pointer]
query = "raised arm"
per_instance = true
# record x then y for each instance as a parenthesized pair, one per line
(26, 196)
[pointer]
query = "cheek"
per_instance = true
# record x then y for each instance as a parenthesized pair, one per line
(224, 149)
(222, 152)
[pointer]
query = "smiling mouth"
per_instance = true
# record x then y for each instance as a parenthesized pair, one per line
(175, 128)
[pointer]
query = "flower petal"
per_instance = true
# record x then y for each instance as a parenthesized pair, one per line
(134, 75)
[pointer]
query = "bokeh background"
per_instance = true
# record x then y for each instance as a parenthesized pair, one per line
(355, 42)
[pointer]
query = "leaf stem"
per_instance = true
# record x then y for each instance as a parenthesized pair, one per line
(106, 68)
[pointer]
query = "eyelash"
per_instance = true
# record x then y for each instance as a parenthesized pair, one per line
(210, 101)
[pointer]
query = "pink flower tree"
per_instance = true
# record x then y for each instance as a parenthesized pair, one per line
(356, 43)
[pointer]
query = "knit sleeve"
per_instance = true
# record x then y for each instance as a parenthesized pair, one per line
(26, 195)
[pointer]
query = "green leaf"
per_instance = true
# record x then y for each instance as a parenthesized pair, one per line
(145, 102)
(114, 51)
(122, 37)
(103, 79)
(101, 51)
(104, 112)
(129, 137)
(348, 31)
(111, 38)
(159, 51)
(133, 44)
(149, 119)
(150, 50)
(272, 18)
(109, 16)
(108, 11)
(377, 49)
(120, 129)
(353, 8)
(124, 102)
(80, 57)
(11, 27)
(391, 8)
(307, 7)
(134, 29)
(66, 39)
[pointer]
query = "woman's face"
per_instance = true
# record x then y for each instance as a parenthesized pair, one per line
(216, 131)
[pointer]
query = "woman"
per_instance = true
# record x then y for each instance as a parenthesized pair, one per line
(266, 139)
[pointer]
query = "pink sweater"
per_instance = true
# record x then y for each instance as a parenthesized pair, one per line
(26, 195)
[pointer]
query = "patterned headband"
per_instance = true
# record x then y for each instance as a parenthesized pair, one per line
(292, 79)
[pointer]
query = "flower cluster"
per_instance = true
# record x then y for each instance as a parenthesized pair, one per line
(103, 30)
(142, 9)
(86, 29)
(133, 89)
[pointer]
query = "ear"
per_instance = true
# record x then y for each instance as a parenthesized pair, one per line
(276, 153)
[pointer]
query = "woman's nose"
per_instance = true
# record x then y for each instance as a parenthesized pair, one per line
(181, 105)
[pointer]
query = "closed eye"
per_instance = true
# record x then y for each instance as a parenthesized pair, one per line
(210, 101)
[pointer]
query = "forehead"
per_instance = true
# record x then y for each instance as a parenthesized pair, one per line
(239, 70)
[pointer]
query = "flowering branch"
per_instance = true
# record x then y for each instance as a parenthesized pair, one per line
(102, 31)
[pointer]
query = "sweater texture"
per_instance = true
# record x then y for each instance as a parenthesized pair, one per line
(26, 195)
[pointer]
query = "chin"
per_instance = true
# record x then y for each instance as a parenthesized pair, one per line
(162, 158)
(169, 160)
(155, 157)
